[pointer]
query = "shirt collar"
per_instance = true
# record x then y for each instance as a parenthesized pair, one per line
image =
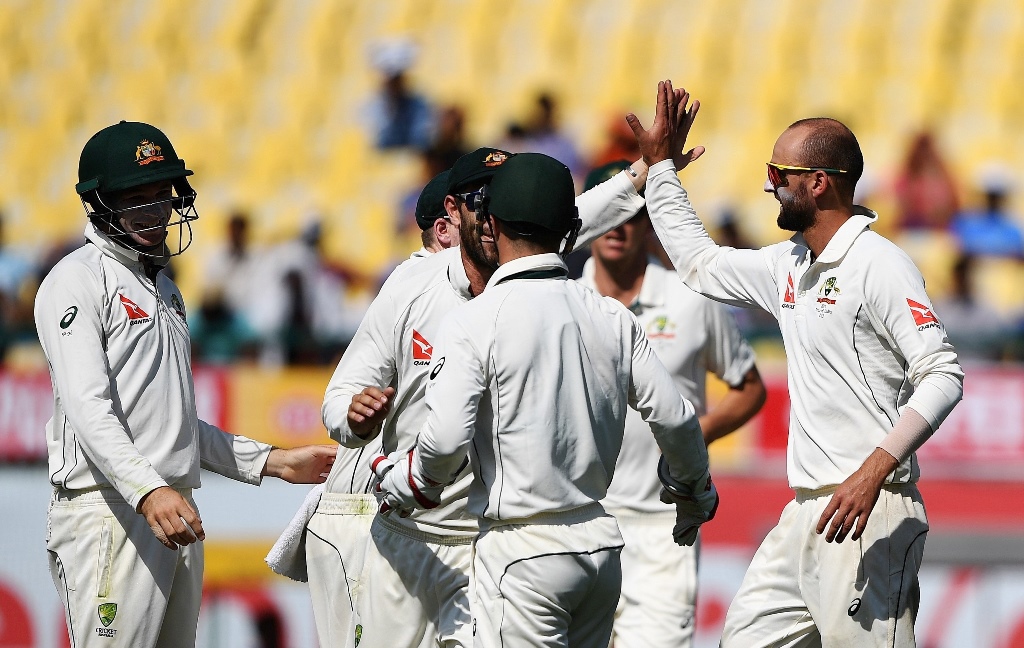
(652, 292)
(535, 262)
(843, 239)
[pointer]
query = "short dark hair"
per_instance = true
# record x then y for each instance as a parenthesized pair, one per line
(428, 237)
(830, 144)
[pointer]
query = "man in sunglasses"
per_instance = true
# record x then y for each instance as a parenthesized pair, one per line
(125, 444)
(533, 381)
(871, 377)
(412, 587)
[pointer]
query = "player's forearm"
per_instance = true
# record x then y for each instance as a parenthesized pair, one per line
(738, 406)
(232, 455)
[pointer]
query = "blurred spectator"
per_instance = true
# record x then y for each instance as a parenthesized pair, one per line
(729, 230)
(621, 143)
(542, 135)
(449, 142)
(990, 231)
(231, 267)
(399, 117)
(975, 329)
(924, 189)
(16, 322)
(301, 312)
(219, 335)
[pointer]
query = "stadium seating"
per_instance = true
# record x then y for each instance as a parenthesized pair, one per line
(267, 100)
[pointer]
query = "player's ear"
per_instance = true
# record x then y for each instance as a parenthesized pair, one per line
(451, 206)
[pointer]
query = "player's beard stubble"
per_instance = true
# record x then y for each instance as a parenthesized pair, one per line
(796, 210)
(483, 255)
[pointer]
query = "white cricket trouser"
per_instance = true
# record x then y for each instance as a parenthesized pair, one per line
(414, 591)
(659, 584)
(103, 554)
(802, 591)
(553, 582)
(336, 539)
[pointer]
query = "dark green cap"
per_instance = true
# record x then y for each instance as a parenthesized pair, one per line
(478, 166)
(534, 188)
(430, 205)
(127, 154)
(604, 173)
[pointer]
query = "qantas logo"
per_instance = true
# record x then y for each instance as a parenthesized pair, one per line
(923, 315)
(421, 349)
(789, 301)
(135, 314)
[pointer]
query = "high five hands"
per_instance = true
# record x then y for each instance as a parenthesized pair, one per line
(666, 139)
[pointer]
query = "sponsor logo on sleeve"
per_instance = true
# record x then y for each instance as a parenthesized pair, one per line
(135, 314)
(789, 300)
(69, 316)
(421, 349)
(923, 315)
(437, 368)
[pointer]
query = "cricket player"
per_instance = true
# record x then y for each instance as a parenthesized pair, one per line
(871, 377)
(536, 374)
(125, 445)
(338, 531)
(691, 335)
(417, 568)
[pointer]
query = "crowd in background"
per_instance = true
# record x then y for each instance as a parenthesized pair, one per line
(290, 304)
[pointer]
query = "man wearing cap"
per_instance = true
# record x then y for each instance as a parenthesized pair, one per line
(536, 375)
(440, 229)
(125, 445)
(416, 568)
(338, 516)
(691, 335)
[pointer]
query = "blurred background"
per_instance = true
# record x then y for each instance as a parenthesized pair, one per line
(311, 126)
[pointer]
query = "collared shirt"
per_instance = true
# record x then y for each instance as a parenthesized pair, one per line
(118, 350)
(691, 335)
(533, 378)
(395, 344)
(862, 341)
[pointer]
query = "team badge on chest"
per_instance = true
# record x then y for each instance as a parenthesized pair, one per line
(827, 296)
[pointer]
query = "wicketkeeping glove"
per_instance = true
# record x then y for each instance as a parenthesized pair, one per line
(400, 487)
(694, 505)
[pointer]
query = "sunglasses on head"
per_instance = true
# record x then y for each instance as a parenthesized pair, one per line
(775, 172)
(473, 199)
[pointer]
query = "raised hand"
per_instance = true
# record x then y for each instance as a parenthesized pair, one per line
(685, 117)
(656, 143)
(666, 139)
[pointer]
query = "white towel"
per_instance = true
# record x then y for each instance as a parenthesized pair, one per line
(288, 555)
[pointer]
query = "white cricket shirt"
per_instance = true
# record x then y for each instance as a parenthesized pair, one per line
(533, 379)
(862, 341)
(124, 410)
(395, 344)
(691, 335)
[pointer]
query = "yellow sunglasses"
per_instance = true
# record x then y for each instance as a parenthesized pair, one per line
(775, 171)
